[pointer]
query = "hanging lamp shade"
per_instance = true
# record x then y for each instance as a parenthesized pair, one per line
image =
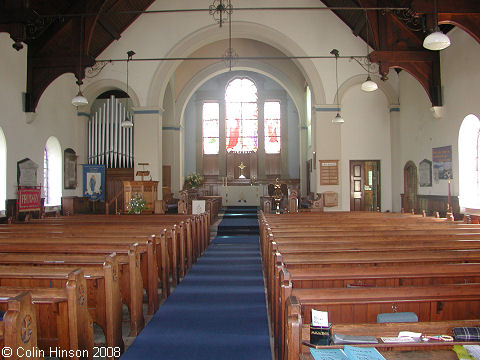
(437, 40)
(127, 123)
(338, 119)
(79, 100)
(369, 85)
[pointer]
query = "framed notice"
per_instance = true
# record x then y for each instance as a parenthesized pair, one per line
(442, 162)
(328, 172)
(425, 173)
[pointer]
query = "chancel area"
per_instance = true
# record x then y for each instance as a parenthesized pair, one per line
(191, 179)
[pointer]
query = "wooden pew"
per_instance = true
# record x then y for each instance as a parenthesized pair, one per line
(102, 285)
(18, 329)
(130, 274)
(63, 320)
(360, 305)
(299, 338)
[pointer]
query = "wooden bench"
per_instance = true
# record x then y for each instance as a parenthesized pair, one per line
(63, 320)
(102, 286)
(361, 305)
(130, 275)
(298, 343)
(18, 328)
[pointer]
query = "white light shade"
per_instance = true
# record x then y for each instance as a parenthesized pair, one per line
(79, 100)
(127, 123)
(369, 85)
(338, 119)
(436, 41)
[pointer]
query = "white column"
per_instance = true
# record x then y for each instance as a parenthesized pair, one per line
(397, 166)
(147, 142)
(327, 146)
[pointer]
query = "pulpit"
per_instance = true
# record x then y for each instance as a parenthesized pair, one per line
(148, 189)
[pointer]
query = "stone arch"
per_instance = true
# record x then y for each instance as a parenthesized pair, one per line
(241, 29)
(386, 88)
(249, 65)
(93, 90)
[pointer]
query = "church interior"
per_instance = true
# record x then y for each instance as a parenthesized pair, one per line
(197, 178)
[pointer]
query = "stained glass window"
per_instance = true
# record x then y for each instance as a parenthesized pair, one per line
(210, 118)
(272, 127)
(241, 123)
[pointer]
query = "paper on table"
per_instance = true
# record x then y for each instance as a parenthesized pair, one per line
(319, 318)
(366, 353)
(328, 354)
(473, 350)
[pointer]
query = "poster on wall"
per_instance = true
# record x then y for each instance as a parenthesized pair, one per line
(442, 162)
(94, 182)
(425, 173)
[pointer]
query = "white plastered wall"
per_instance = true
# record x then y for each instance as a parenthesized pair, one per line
(418, 131)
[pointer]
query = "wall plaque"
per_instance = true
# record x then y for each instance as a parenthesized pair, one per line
(425, 173)
(328, 172)
(27, 173)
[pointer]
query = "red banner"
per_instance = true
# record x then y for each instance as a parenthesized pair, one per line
(28, 199)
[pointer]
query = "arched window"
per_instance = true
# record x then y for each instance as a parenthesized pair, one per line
(241, 124)
(3, 171)
(272, 127)
(52, 172)
(211, 127)
(469, 163)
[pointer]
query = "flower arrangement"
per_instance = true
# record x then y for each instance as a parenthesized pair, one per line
(193, 181)
(137, 204)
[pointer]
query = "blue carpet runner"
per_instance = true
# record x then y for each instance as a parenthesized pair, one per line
(217, 312)
(239, 220)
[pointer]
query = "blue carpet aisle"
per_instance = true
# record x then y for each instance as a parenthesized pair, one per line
(218, 311)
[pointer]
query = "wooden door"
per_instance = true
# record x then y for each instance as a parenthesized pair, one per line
(409, 186)
(357, 181)
(167, 176)
(365, 185)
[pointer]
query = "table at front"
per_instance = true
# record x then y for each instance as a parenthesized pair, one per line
(240, 195)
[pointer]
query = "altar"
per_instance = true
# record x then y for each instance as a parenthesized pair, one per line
(240, 195)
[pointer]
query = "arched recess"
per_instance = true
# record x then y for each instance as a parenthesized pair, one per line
(469, 163)
(53, 175)
(249, 65)
(3, 170)
(409, 186)
(386, 88)
(241, 29)
(93, 90)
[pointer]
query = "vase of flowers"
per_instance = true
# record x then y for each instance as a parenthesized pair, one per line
(137, 204)
(193, 181)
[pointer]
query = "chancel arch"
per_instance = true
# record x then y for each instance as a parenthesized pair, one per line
(242, 154)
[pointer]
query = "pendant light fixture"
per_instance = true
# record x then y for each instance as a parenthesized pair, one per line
(127, 122)
(79, 99)
(368, 85)
(337, 119)
(437, 40)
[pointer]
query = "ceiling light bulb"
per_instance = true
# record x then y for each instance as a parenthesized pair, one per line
(436, 41)
(338, 119)
(369, 85)
(79, 100)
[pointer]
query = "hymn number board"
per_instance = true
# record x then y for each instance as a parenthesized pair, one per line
(328, 172)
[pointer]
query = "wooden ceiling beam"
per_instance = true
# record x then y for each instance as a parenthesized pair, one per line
(464, 7)
(423, 65)
(468, 23)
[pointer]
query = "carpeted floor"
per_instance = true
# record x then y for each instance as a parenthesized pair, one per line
(218, 311)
